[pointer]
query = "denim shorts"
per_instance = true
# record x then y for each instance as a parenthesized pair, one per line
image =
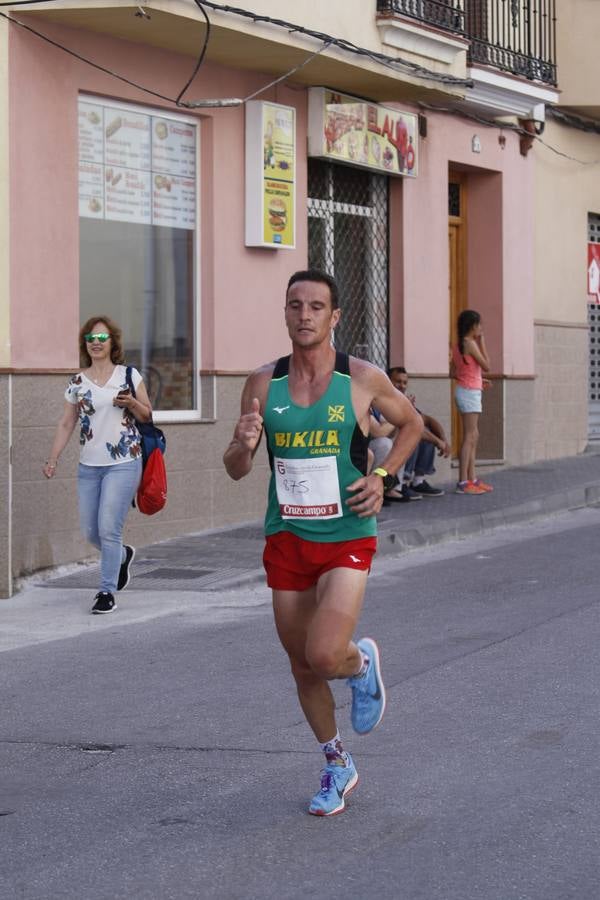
(468, 400)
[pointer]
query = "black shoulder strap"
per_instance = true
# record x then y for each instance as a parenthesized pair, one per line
(282, 367)
(342, 363)
(129, 380)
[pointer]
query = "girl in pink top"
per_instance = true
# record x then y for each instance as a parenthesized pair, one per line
(469, 359)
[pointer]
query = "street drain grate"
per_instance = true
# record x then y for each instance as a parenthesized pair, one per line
(182, 580)
(175, 574)
(167, 578)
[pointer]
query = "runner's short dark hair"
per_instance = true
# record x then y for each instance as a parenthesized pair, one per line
(320, 277)
(399, 369)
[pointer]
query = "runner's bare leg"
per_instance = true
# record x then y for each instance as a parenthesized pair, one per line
(315, 628)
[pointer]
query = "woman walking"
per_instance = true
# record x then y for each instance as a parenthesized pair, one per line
(469, 360)
(110, 460)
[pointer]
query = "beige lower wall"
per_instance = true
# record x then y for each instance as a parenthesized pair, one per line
(519, 401)
(491, 446)
(432, 396)
(5, 574)
(560, 398)
(505, 434)
(543, 418)
(525, 419)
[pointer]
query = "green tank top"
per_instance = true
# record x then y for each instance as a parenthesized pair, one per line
(315, 452)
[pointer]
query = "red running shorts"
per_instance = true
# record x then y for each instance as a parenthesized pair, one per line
(293, 564)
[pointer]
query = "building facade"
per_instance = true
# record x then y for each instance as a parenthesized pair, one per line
(567, 217)
(391, 154)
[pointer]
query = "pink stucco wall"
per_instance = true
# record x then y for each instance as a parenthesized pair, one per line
(499, 256)
(241, 289)
(43, 205)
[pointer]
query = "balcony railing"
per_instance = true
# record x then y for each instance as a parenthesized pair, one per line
(517, 36)
(446, 14)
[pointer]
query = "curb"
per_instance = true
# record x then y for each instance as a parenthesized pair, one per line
(395, 540)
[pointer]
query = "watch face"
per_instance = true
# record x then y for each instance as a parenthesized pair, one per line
(389, 482)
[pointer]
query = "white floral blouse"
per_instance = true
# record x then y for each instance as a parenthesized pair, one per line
(108, 434)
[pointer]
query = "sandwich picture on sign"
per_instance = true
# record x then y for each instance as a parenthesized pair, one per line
(277, 214)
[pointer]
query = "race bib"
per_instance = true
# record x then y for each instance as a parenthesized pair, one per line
(308, 488)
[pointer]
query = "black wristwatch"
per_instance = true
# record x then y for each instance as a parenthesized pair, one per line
(389, 481)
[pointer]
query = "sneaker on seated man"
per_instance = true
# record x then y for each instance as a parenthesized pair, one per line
(421, 462)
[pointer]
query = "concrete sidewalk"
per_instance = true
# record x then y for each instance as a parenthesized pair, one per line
(231, 557)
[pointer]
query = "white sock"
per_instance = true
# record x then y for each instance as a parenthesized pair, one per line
(418, 479)
(334, 752)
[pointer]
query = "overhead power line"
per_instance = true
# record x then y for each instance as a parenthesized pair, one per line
(396, 64)
(177, 101)
(573, 121)
(200, 58)
(507, 126)
(392, 62)
(26, 2)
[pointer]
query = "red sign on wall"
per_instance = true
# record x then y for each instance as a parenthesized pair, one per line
(594, 271)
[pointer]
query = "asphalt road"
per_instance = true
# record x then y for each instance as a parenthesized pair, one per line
(165, 756)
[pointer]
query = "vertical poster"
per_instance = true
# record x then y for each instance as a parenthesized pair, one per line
(278, 184)
(270, 175)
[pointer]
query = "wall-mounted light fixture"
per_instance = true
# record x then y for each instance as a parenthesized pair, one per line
(532, 125)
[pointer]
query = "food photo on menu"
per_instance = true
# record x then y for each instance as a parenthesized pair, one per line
(277, 210)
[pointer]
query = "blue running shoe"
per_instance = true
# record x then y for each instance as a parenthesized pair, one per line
(368, 692)
(336, 783)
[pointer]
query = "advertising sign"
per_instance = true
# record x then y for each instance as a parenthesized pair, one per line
(270, 175)
(135, 167)
(348, 130)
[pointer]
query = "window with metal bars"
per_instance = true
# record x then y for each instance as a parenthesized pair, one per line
(348, 237)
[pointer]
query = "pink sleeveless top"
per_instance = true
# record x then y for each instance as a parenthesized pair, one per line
(468, 370)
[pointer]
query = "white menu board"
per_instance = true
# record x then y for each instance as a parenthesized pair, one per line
(91, 190)
(127, 193)
(174, 201)
(173, 147)
(135, 167)
(91, 135)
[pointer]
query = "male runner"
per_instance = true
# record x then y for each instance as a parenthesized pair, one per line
(320, 523)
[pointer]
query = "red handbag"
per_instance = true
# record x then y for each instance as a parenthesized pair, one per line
(152, 492)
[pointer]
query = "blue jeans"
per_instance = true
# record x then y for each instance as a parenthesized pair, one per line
(105, 495)
(421, 460)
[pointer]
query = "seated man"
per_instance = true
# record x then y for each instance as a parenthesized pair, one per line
(421, 462)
